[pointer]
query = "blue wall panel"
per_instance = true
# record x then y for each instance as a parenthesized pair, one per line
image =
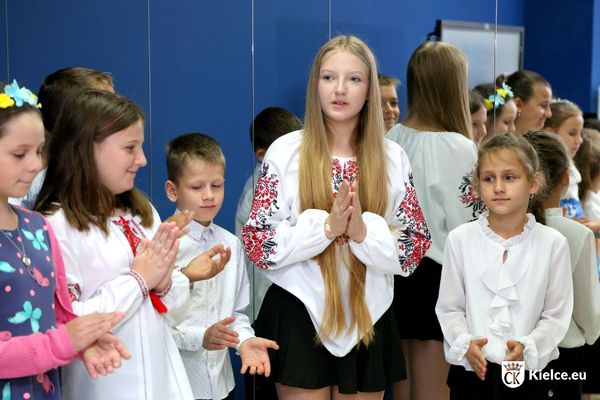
(201, 82)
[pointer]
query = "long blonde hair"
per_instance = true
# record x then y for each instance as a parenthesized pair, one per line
(315, 186)
(437, 89)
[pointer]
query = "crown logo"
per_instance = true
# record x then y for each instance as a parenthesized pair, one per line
(513, 366)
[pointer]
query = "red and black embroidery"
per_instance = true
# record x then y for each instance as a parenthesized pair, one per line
(416, 241)
(258, 233)
(339, 172)
(469, 196)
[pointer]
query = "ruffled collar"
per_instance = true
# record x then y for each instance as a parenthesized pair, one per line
(515, 240)
(501, 276)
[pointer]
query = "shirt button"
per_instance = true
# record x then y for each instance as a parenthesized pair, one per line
(212, 309)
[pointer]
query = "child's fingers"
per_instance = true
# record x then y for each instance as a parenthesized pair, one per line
(268, 367)
(244, 369)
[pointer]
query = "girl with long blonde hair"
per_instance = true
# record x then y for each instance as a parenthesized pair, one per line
(334, 217)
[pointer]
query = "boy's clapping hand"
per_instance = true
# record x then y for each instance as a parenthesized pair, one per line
(207, 264)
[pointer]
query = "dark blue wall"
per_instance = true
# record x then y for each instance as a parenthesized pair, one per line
(3, 50)
(560, 44)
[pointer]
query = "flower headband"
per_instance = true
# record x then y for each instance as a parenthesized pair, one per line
(499, 98)
(17, 96)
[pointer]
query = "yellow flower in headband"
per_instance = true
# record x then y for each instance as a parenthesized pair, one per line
(6, 101)
(488, 104)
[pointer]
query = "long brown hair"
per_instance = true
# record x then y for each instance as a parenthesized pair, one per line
(72, 181)
(315, 185)
(437, 89)
(587, 161)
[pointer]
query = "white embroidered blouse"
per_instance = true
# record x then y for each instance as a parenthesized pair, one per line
(283, 241)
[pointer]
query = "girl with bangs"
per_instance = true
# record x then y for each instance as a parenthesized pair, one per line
(335, 216)
(117, 254)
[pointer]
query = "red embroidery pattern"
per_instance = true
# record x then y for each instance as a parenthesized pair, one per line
(258, 233)
(133, 233)
(416, 241)
(348, 171)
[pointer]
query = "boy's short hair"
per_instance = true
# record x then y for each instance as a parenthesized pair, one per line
(388, 80)
(64, 82)
(192, 146)
(271, 123)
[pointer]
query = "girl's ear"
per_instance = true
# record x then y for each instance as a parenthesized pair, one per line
(171, 190)
(536, 183)
(519, 104)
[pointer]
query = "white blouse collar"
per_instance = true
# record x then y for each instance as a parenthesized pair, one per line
(553, 212)
(520, 238)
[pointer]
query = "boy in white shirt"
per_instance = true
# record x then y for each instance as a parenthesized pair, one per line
(214, 319)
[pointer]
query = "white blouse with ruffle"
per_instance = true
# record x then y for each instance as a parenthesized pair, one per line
(518, 288)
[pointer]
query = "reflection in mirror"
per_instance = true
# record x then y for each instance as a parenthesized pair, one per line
(286, 38)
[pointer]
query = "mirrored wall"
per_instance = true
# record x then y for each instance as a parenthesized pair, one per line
(211, 66)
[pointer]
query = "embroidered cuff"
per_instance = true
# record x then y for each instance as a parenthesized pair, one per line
(141, 283)
(166, 290)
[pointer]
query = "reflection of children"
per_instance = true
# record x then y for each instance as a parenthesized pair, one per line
(510, 297)
(215, 319)
(38, 330)
(478, 110)
(268, 125)
(585, 323)
(118, 255)
(501, 107)
(332, 257)
(567, 123)
(389, 99)
(436, 137)
(533, 95)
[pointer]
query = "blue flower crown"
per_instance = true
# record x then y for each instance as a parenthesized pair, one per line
(15, 96)
(499, 98)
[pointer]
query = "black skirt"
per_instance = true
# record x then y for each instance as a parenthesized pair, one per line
(465, 385)
(591, 361)
(415, 297)
(301, 362)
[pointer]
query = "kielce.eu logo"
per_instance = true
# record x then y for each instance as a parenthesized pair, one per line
(513, 373)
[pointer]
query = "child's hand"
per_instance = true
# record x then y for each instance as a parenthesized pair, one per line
(476, 358)
(515, 351)
(356, 230)
(182, 219)
(207, 264)
(104, 356)
(155, 258)
(220, 336)
(83, 331)
(594, 226)
(340, 211)
(255, 357)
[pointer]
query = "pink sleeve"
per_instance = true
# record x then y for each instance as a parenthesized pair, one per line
(64, 311)
(33, 354)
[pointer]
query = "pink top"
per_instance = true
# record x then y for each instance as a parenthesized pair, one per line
(33, 354)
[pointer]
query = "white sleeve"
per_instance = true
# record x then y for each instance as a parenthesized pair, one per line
(270, 239)
(586, 291)
(396, 248)
(451, 308)
(119, 294)
(556, 316)
(242, 299)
